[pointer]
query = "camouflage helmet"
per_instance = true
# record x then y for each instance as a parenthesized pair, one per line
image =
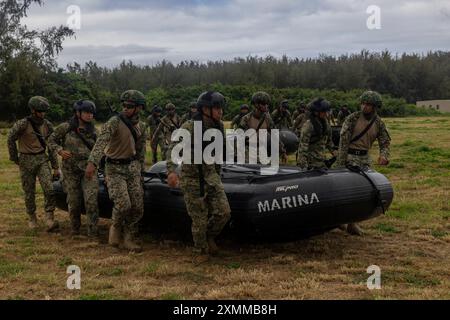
(210, 99)
(156, 109)
(372, 97)
(84, 105)
(169, 106)
(284, 104)
(38, 103)
(244, 106)
(133, 97)
(261, 97)
(319, 105)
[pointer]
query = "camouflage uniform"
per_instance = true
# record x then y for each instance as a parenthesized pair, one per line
(341, 117)
(236, 120)
(124, 180)
(282, 120)
(298, 123)
(378, 132)
(153, 123)
(165, 128)
(313, 145)
(33, 162)
(80, 191)
(249, 121)
(209, 212)
(186, 117)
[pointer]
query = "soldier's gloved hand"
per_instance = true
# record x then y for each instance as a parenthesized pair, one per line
(382, 161)
(65, 154)
(173, 180)
(90, 170)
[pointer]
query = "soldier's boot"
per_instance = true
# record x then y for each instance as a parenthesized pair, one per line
(354, 229)
(200, 256)
(130, 243)
(213, 249)
(50, 222)
(32, 221)
(114, 236)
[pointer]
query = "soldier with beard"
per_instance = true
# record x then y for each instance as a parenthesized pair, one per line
(315, 137)
(73, 141)
(32, 133)
(204, 194)
(359, 131)
(260, 118)
(122, 141)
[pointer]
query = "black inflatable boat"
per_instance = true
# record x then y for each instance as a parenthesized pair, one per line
(290, 204)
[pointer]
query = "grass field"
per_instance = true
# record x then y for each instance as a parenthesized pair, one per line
(411, 245)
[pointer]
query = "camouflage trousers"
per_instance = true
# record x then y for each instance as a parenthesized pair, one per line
(81, 193)
(32, 167)
(311, 161)
(163, 149)
(127, 194)
(209, 213)
(359, 161)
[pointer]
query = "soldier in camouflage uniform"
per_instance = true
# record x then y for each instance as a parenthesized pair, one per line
(315, 137)
(282, 117)
(169, 123)
(32, 133)
(243, 110)
(204, 194)
(260, 118)
(122, 140)
(343, 113)
(359, 131)
(299, 119)
(73, 141)
(190, 114)
(301, 108)
(153, 122)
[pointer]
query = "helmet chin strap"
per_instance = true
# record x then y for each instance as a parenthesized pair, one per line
(216, 122)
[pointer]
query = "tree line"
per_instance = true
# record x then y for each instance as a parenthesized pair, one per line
(28, 68)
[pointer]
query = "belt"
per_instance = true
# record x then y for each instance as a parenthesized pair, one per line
(120, 161)
(357, 152)
(33, 154)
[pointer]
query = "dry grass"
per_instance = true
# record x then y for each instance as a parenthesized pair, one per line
(410, 245)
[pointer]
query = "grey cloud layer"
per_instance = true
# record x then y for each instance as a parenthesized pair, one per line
(147, 31)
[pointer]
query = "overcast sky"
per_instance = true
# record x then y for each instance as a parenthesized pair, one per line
(149, 31)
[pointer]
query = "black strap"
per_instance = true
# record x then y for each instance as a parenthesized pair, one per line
(89, 145)
(175, 124)
(261, 121)
(129, 126)
(359, 136)
(377, 191)
(37, 133)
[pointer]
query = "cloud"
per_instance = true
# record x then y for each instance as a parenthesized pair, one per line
(175, 30)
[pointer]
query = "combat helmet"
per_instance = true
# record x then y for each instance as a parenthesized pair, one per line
(84, 105)
(319, 105)
(38, 103)
(133, 97)
(373, 98)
